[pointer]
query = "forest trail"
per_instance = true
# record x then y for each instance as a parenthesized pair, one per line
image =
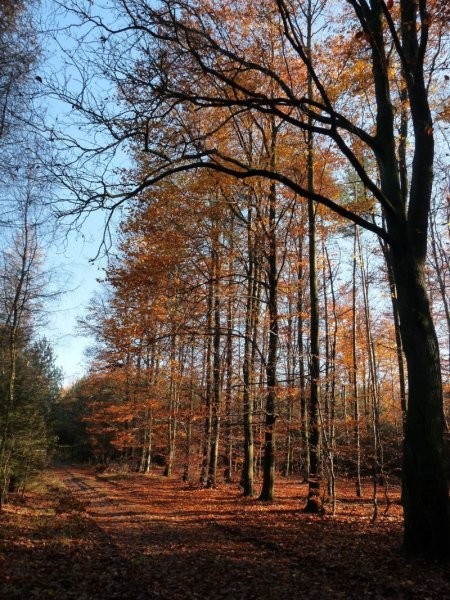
(174, 541)
(186, 542)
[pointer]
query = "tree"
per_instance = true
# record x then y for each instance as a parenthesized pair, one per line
(29, 382)
(19, 54)
(188, 59)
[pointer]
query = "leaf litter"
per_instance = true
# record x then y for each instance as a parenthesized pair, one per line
(148, 536)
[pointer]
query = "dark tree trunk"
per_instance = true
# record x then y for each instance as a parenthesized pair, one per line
(251, 319)
(188, 444)
(228, 393)
(301, 355)
(216, 375)
(267, 491)
(313, 504)
(206, 449)
(425, 494)
(356, 429)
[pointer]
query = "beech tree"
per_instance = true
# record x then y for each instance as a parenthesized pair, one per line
(176, 64)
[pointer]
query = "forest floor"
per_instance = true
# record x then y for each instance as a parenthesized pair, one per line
(86, 535)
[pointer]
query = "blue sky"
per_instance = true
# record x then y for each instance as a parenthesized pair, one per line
(71, 258)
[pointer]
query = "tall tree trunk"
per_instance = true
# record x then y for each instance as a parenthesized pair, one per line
(251, 319)
(356, 416)
(330, 412)
(187, 448)
(173, 409)
(267, 491)
(216, 373)
(425, 494)
(301, 358)
(313, 503)
(290, 369)
(208, 391)
(228, 392)
(377, 465)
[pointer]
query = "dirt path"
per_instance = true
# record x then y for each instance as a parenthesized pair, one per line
(183, 543)
(175, 542)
